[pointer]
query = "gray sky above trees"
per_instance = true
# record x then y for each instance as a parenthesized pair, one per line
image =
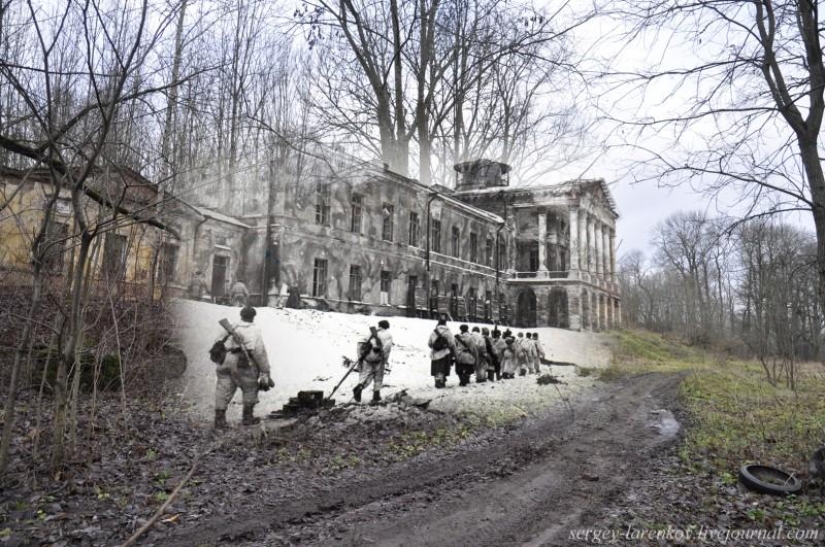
(622, 153)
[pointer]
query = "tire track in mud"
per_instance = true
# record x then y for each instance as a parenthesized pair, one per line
(526, 486)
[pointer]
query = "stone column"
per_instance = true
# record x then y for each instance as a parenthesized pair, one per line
(582, 243)
(553, 240)
(608, 279)
(613, 256)
(542, 219)
(591, 240)
(597, 316)
(573, 244)
(574, 307)
(597, 244)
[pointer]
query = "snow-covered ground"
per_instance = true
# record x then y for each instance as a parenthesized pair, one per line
(306, 347)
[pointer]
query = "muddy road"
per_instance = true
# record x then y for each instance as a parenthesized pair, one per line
(529, 484)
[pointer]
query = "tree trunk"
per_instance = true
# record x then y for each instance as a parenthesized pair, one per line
(816, 179)
(67, 357)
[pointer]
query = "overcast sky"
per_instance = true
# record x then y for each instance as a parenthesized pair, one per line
(642, 205)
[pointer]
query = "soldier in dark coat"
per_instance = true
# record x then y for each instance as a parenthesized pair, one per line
(466, 355)
(442, 344)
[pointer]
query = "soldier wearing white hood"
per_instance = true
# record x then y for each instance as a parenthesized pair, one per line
(237, 371)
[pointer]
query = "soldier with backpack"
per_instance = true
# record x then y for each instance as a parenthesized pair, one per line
(522, 354)
(508, 352)
(243, 364)
(493, 373)
(482, 358)
(374, 352)
(442, 344)
(466, 355)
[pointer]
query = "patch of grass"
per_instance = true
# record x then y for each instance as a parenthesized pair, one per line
(412, 443)
(741, 418)
(738, 416)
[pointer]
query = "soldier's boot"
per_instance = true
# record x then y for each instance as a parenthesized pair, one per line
(248, 417)
(220, 419)
(356, 393)
(376, 397)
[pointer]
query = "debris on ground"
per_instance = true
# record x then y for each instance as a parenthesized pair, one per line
(402, 398)
(307, 400)
(546, 379)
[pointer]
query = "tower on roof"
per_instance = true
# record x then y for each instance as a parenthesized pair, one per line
(478, 174)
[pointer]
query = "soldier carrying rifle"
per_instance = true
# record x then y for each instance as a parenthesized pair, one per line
(244, 364)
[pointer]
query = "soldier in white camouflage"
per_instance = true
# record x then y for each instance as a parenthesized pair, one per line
(247, 370)
(375, 352)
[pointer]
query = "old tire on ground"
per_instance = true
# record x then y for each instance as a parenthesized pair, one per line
(769, 480)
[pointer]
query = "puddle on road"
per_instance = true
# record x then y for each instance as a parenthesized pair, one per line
(666, 424)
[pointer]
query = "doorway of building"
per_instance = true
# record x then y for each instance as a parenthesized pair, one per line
(220, 264)
(526, 309)
(411, 283)
(454, 301)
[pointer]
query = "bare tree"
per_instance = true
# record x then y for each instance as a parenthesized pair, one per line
(432, 74)
(70, 106)
(740, 88)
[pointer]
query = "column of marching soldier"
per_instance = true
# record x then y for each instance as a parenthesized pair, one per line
(490, 356)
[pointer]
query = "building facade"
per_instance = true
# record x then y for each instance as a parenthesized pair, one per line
(362, 238)
(563, 270)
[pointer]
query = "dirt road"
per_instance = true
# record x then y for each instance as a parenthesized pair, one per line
(526, 485)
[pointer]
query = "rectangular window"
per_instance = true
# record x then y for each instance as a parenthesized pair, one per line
(114, 255)
(472, 302)
(456, 242)
(436, 235)
(322, 204)
(488, 305)
(488, 252)
(534, 258)
(502, 256)
(414, 229)
(355, 283)
(454, 300)
(319, 278)
(473, 247)
(357, 207)
(54, 250)
(388, 212)
(386, 285)
(168, 263)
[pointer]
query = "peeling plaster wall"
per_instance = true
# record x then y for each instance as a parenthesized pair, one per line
(301, 240)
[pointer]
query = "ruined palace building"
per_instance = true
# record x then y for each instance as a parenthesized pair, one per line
(357, 237)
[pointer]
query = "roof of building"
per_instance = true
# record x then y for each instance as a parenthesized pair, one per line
(475, 165)
(209, 213)
(558, 189)
(458, 204)
(214, 215)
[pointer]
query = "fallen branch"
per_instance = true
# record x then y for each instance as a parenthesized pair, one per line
(151, 522)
